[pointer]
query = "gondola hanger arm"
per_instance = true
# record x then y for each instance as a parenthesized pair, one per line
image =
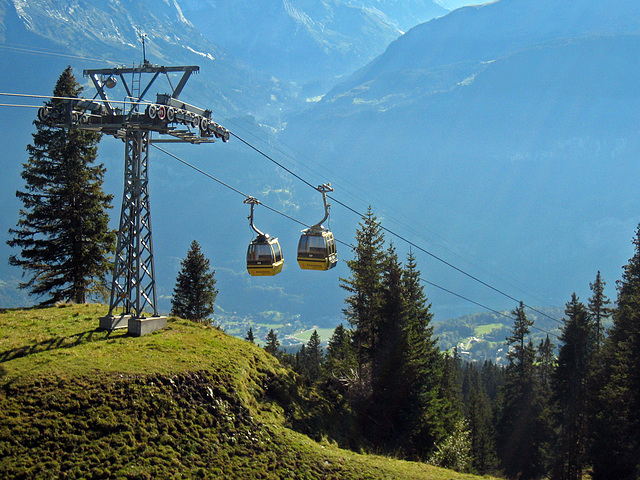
(324, 189)
(253, 202)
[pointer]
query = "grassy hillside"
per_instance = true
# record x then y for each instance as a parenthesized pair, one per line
(188, 401)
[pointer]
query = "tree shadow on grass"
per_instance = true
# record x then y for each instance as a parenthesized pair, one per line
(54, 343)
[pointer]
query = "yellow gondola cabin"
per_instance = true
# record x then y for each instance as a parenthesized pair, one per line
(264, 257)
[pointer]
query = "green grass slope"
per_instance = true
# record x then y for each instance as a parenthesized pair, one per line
(187, 401)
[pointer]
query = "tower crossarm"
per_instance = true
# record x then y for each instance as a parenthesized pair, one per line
(166, 116)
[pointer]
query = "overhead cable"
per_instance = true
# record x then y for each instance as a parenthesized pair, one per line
(400, 237)
(497, 312)
(291, 172)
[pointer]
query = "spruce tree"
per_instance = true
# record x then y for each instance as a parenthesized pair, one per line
(571, 392)
(388, 385)
(616, 450)
(546, 363)
(314, 356)
(424, 409)
(301, 362)
(340, 361)
(479, 416)
(63, 231)
(272, 344)
(521, 427)
(339, 345)
(599, 307)
(194, 293)
(364, 287)
(450, 394)
(250, 337)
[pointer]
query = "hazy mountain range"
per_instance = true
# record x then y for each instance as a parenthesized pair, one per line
(501, 138)
(510, 129)
(306, 41)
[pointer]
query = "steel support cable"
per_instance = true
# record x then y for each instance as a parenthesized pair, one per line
(401, 224)
(16, 105)
(466, 299)
(24, 49)
(483, 306)
(175, 157)
(274, 161)
(51, 97)
(442, 260)
(339, 241)
(436, 257)
(391, 232)
(400, 237)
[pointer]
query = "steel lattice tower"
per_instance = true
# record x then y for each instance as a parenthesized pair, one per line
(133, 288)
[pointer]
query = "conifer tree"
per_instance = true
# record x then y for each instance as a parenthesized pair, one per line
(250, 337)
(314, 356)
(364, 287)
(339, 345)
(388, 385)
(492, 379)
(425, 411)
(450, 394)
(63, 231)
(571, 392)
(546, 363)
(521, 428)
(301, 363)
(479, 416)
(599, 307)
(194, 293)
(272, 344)
(616, 450)
(340, 361)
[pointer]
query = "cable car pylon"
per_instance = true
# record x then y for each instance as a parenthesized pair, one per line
(133, 301)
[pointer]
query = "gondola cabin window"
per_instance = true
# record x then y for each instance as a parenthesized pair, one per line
(311, 244)
(277, 253)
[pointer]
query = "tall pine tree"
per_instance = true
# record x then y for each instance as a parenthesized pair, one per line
(571, 392)
(546, 363)
(315, 356)
(272, 344)
(521, 428)
(63, 231)
(479, 416)
(599, 307)
(339, 350)
(194, 293)
(426, 413)
(364, 287)
(250, 338)
(616, 452)
(388, 385)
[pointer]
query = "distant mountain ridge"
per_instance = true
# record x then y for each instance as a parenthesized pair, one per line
(109, 33)
(438, 55)
(302, 40)
(509, 129)
(250, 51)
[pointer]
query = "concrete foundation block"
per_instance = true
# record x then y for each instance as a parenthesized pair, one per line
(113, 322)
(142, 326)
